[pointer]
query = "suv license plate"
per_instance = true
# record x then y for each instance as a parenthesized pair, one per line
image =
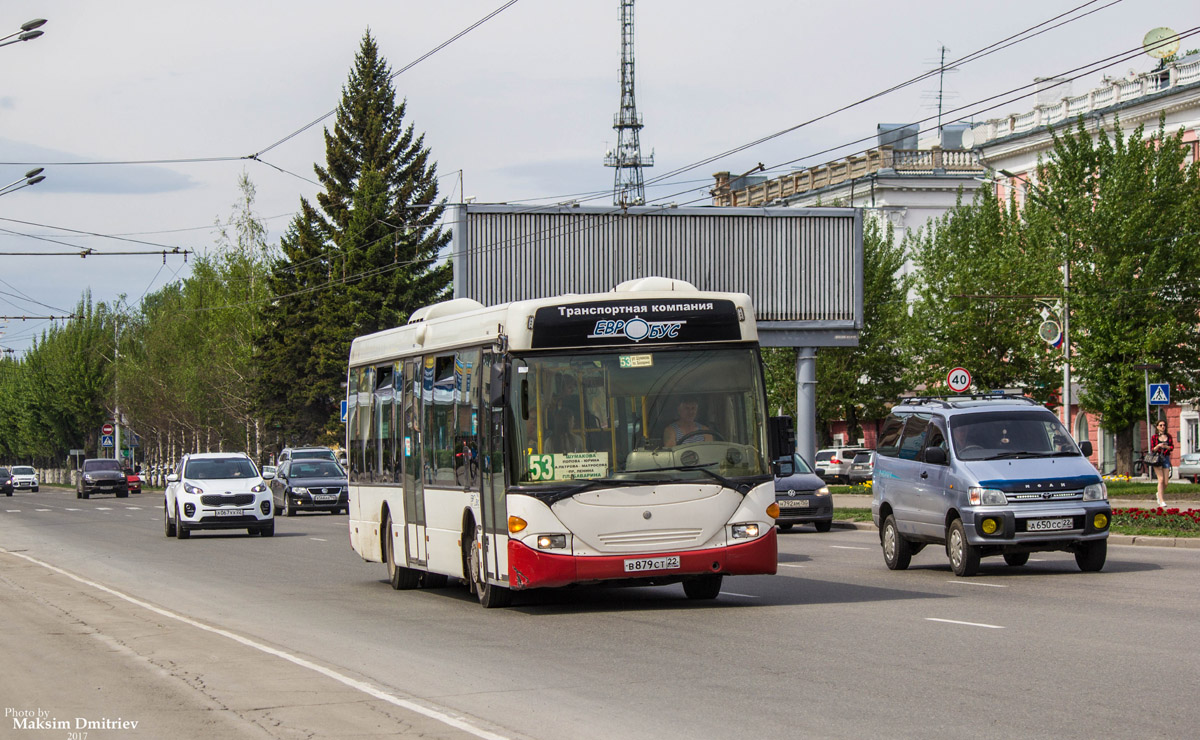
(227, 512)
(1044, 525)
(638, 565)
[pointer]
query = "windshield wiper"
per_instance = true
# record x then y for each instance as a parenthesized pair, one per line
(1018, 454)
(551, 497)
(702, 468)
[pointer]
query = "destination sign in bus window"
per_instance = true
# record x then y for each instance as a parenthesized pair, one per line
(568, 466)
(637, 360)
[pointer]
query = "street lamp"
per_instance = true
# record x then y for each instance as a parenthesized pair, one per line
(32, 177)
(28, 32)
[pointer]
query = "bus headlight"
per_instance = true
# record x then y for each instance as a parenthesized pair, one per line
(986, 496)
(552, 541)
(744, 531)
(1095, 492)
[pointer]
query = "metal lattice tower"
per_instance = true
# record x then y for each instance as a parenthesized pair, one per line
(628, 187)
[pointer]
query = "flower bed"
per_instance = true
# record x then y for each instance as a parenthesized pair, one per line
(1159, 521)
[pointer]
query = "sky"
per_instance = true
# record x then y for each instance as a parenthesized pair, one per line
(520, 109)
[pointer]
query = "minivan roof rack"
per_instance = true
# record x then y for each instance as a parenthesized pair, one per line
(949, 402)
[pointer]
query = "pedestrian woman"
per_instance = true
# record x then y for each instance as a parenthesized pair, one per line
(1163, 445)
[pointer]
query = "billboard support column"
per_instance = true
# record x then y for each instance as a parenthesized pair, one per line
(806, 403)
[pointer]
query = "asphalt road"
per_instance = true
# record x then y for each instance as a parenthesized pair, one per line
(227, 635)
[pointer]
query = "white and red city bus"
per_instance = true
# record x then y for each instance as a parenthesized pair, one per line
(617, 437)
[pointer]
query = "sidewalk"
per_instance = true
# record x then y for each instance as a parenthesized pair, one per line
(863, 501)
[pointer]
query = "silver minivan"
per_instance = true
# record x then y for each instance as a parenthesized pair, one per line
(985, 475)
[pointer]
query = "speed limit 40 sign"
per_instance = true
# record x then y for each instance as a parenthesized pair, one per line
(959, 379)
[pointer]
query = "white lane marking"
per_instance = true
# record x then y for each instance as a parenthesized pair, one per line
(790, 565)
(13, 511)
(847, 547)
(744, 596)
(43, 509)
(103, 508)
(969, 624)
(363, 686)
(69, 509)
(318, 539)
(133, 508)
(1037, 560)
(977, 583)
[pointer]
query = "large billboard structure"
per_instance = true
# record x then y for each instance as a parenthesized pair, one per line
(803, 267)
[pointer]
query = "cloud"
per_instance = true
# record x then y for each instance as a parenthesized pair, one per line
(7, 103)
(18, 156)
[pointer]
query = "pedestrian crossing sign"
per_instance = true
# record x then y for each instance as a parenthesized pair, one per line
(1160, 394)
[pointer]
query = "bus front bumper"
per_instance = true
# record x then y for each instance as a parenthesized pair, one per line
(530, 568)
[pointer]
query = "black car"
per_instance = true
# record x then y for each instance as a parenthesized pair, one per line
(310, 485)
(802, 496)
(6, 483)
(102, 475)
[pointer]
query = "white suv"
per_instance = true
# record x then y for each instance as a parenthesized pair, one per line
(24, 477)
(217, 490)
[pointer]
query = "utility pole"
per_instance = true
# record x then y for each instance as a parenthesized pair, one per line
(628, 186)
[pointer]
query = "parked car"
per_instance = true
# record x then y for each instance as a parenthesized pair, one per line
(102, 475)
(306, 453)
(862, 467)
(217, 490)
(133, 479)
(802, 497)
(1189, 467)
(833, 464)
(985, 475)
(310, 485)
(24, 477)
(6, 484)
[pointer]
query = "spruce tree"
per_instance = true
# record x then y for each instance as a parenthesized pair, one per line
(361, 262)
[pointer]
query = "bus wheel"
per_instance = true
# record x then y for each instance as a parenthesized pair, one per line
(470, 565)
(400, 577)
(703, 587)
(490, 595)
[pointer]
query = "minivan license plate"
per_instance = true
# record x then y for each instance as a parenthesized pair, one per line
(638, 565)
(793, 503)
(1044, 525)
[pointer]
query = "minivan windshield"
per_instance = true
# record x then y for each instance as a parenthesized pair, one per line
(999, 435)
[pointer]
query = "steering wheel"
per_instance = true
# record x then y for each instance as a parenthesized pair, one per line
(701, 433)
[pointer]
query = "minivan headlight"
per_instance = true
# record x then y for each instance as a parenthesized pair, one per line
(822, 491)
(1095, 492)
(986, 497)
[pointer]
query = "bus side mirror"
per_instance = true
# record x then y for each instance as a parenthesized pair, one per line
(781, 437)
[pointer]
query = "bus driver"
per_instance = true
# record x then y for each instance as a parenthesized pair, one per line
(686, 427)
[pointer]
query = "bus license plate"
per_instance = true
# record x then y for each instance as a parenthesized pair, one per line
(227, 512)
(638, 565)
(1048, 525)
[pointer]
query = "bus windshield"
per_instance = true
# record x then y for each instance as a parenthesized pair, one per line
(639, 416)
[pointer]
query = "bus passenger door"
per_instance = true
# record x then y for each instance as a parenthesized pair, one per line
(414, 474)
(491, 500)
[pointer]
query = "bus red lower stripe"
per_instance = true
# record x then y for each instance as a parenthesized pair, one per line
(530, 568)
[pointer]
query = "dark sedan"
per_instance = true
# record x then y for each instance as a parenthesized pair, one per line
(102, 475)
(6, 484)
(802, 496)
(310, 485)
